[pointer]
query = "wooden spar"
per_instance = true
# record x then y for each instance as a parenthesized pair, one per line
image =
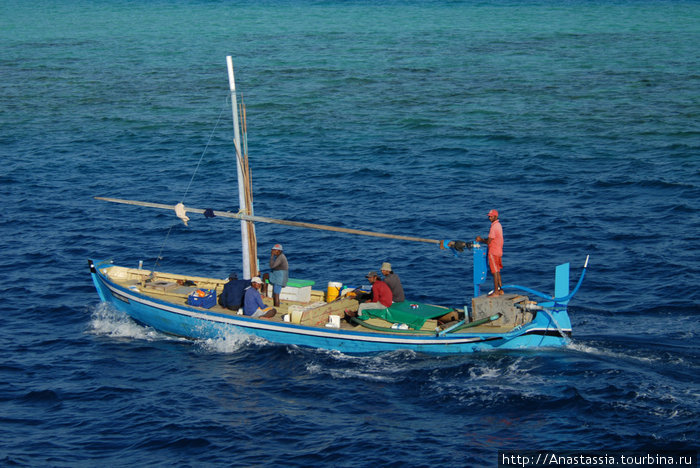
(248, 185)
(245, 132)
(284, 222)
(248, 266)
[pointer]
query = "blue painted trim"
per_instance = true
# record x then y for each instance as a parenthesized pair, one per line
(196, 323)
(555, 300)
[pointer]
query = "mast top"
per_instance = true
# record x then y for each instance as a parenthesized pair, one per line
(231, 80)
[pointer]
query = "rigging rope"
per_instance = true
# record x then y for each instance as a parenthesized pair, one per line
(199, 163)
(225, 106)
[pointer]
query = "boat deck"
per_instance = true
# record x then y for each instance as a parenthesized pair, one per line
(175, 289)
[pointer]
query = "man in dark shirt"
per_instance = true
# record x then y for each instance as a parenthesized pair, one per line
(280, 272)
(393, 281)
(232, 295)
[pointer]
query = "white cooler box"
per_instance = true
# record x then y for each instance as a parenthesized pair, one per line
(296, 290)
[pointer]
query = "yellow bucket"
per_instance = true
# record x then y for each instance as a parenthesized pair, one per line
(333, 291)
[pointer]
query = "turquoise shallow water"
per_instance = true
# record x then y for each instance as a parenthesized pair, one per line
(577, 120)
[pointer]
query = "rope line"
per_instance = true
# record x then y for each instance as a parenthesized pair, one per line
(159, 257)
(224, 107)
(199, 163)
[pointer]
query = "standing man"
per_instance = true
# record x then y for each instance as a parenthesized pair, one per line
(253, 304)
(394, 282)
(495, 252)
(280, 272)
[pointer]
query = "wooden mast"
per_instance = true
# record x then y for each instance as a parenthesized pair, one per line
(248, 183)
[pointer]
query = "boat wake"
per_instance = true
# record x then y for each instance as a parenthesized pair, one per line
(502, 380)
(230, 342)
(107, 321)
(394, 366)
(608, 353)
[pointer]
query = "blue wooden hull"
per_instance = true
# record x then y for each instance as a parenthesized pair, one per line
(196, 323)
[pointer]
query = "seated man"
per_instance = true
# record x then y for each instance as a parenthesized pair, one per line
(381, 294)
(394, 282)
(232, 295)
(253, 304)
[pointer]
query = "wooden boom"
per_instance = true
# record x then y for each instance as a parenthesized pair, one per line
(284, 222)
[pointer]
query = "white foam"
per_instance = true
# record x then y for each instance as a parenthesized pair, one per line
(386, 367)
(490, 380)
(484, 373)
(231, 341)
(108, 321)
(608, 353)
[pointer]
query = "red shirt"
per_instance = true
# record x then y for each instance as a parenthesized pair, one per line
(496, 239)
(382, 293)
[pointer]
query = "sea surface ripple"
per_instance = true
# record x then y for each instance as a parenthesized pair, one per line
(577, 120)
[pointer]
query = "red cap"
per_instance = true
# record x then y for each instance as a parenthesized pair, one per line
(493, 213)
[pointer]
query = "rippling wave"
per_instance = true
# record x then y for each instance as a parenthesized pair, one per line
(577, 121)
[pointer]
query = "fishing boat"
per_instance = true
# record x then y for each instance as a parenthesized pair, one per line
(326, 317)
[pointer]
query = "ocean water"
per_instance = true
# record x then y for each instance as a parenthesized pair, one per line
(577, 120)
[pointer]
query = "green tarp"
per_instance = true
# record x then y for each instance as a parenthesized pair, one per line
(413, 314)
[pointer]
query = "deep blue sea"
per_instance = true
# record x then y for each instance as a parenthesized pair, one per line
(578, 120)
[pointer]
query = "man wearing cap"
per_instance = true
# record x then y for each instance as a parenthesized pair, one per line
(381, 294)
(495, 253)
(394, 282)
(253, 304)
(279, 274)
